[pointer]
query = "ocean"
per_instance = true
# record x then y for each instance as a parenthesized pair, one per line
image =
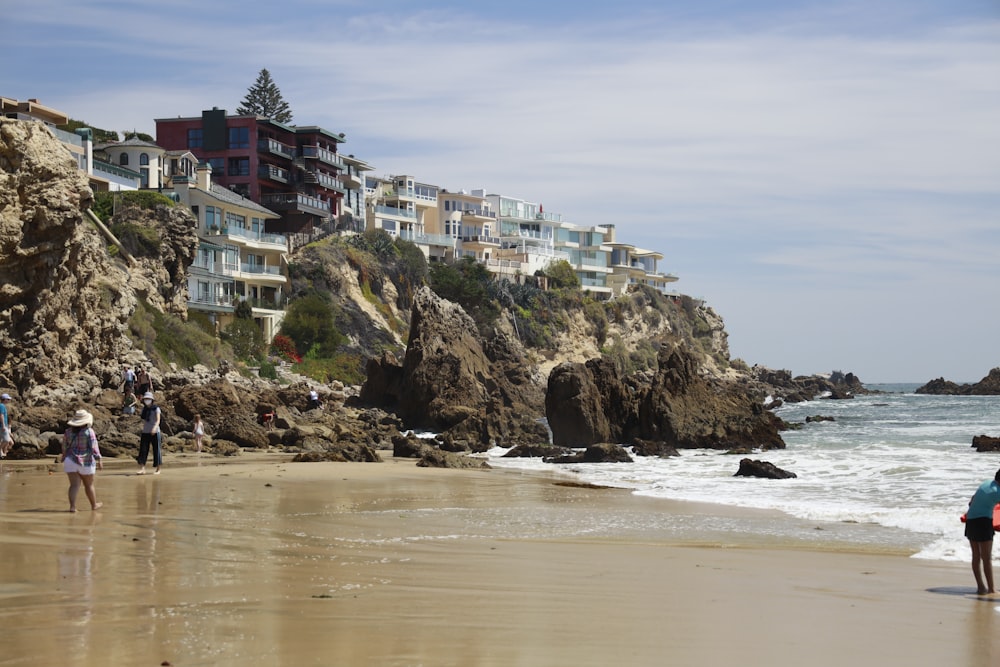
(892, 472)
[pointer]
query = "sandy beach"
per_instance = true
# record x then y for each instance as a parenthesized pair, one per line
(257, 560)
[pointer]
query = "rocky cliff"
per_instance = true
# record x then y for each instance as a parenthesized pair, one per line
(66, 301)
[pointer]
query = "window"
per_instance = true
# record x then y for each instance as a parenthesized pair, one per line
(194, 137)
(123, 159)
(239, 166)
(144, 158)
(234, 220)
(218, 165)
(213, 217)
(144, 176)
(239, 137)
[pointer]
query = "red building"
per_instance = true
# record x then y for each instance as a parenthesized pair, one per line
(291, 170)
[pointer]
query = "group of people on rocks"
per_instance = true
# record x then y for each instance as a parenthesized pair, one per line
(81, 453)
(134, 382)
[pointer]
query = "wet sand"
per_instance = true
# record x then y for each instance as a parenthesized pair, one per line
(259, 561)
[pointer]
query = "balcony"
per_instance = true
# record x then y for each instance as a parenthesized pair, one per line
(273, 173)
(329, 157)
(350, 181)
(440, 240)
(275, 147)
(481, 239)
(294, 201)
(397, 212)
(278, 241)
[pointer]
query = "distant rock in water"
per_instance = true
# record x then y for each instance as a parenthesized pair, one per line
(988, 386)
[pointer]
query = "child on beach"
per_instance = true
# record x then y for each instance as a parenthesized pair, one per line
(81, 458)
(198, 428)
(979, 531)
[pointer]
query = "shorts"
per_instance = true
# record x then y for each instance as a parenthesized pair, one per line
(979, 530)
(5, 435)
(69, 465)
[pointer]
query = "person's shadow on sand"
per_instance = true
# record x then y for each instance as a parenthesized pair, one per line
(963, 591)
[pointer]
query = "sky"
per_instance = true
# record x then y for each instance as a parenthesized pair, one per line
(826, 175)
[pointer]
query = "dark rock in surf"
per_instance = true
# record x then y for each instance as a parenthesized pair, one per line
(763, 469)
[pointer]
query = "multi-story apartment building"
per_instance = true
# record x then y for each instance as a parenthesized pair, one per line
(470, 219)
(295, 171)
(527, 236)
(237, 259)
(634, 266)
(408, 209)
(101, 175)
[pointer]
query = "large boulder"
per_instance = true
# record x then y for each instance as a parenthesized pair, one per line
(676, 407)
(451, 382)
(988, 386)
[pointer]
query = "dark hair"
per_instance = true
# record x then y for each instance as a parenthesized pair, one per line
(996, 477)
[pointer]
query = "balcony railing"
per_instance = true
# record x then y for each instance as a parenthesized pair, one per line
(293, 200)
(326, 156)
(276, 147)
(478, 238)
(399, 212)
(260, 270)
(428, 239)
(273, 173)
(261, 237)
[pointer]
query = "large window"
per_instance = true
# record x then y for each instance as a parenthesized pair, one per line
(239, 137)
(213, 217)
(218, 165)
(194, 137)
(239, 166)
(234, 220)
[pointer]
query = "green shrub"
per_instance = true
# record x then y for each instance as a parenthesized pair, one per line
(345, 367)
(246, 339)
(167, 339)
(310, 321)
(268, 370)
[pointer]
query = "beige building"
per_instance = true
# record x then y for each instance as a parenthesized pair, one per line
(237, 260)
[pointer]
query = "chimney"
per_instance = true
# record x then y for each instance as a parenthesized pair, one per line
(204, 176)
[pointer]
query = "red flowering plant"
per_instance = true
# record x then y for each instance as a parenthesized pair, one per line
(284, 347)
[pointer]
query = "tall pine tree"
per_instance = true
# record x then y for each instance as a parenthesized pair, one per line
(264, 99)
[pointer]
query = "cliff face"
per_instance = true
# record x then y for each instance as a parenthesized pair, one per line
(64, 304)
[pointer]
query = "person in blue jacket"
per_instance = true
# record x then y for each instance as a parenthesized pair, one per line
(979, 530)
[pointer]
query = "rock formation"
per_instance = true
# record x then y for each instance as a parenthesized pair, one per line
(675, 407)
(763, 469)
(64, 304)
(450, 382)
(988, 386)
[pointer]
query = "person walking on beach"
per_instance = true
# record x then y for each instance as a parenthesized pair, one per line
(81, 458)
(979, 530)
(198, 428)
(6, 439)
(150, 437)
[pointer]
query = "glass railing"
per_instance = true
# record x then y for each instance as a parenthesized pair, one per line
(261, 237)
(260, 270)
(275, 146)
(428, 239)
(392, 210)
(326, 156)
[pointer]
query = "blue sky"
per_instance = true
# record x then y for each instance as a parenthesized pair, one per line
(826, 175)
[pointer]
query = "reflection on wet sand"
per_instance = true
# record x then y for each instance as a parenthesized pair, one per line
(357, 564)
